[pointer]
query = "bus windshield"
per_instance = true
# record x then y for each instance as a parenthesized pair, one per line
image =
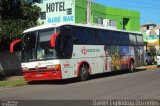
(36, 46)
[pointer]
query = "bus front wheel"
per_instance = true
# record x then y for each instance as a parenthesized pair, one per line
(84, 73)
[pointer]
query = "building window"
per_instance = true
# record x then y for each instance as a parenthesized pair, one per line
(99, 20)
(110, 23)
(151, 27)
(125, 23)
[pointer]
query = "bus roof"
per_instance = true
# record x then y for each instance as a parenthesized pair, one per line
(82, 25)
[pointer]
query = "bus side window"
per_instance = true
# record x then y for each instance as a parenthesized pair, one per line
(132, 39)
(90, 36)
(139, 39)
(97, 36)
(124, 38)
(79, 35)
(114, 36)
(65, 42)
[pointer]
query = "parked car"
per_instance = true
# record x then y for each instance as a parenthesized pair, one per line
(158, 58)
(149, 59)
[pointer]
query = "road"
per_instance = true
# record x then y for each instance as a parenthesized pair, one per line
(143, 85)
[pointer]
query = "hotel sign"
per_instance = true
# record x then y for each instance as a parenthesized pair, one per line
(57, 11)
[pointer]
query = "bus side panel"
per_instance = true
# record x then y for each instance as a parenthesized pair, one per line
(124, 54)
(101, 58)
(118, 57)
(68, 68)
(91, 54)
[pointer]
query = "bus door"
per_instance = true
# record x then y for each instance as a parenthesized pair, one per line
(139, 55)
(65, 47)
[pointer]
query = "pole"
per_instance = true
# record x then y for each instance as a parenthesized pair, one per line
(88, 11)
(159, 39)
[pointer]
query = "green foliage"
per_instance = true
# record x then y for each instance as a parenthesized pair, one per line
(15, 17)
(12, 83)
(152, 50)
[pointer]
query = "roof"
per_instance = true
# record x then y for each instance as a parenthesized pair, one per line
(149, 24)
(157, 27)
(97, 26)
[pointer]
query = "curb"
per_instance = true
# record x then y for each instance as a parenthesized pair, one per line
(146, 67)
(6, 87)
(151, 66)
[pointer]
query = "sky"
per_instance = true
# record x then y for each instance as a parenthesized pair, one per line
(149, 9)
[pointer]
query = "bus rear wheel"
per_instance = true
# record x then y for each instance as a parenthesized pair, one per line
(84, 73)
(131, 66)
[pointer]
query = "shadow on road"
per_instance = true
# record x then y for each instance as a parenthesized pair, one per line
(76, 80)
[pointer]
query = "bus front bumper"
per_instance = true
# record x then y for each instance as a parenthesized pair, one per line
(41, 75)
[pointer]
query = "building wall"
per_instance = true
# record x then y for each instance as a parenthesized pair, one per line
(116, 14)
(79, 13)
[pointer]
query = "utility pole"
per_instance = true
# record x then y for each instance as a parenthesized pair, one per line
(88, 11)
(159, 40)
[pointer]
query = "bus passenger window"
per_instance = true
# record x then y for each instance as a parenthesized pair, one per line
(65, 46)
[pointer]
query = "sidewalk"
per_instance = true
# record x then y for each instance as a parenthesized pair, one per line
(151, 66)
(14, 77)
(147, 67)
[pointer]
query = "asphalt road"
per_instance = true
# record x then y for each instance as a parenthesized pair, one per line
(141, 85)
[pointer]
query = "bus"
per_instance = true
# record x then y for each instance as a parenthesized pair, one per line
(63, 51)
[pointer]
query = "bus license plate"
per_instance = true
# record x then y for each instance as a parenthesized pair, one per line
(38, 75)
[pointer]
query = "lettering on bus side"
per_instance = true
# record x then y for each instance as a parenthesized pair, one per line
(66, 65)
(84, 50)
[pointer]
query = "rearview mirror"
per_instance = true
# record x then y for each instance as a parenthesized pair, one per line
(52, 39)
(15, 42)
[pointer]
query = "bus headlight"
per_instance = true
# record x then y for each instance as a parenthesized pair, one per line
(25, 68)
(55, 67)
(50, 66)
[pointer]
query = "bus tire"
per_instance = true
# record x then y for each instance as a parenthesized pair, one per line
(84, 72)
(131, 66)
(2, 73)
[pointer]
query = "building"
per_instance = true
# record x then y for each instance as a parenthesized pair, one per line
(151, 35)
(75, 11)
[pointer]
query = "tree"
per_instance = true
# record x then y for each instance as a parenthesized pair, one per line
(16, 16)
(153, 50)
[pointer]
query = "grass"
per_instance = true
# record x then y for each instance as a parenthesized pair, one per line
(12, 83)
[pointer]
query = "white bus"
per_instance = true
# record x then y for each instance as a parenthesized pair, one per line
(62, 51)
